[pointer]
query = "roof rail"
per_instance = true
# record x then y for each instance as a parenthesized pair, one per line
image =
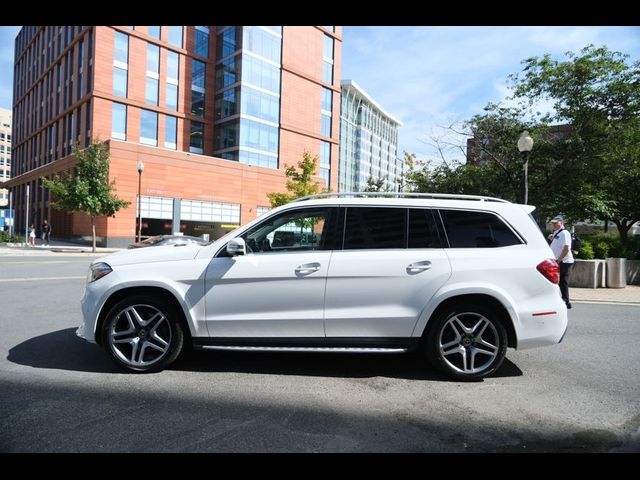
(450, 196)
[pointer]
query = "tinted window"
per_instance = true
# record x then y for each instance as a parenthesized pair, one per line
(375, 227)
(295, 230)
(476, 230)
(422, 229)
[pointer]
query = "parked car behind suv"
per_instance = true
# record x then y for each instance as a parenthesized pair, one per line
(458, 278)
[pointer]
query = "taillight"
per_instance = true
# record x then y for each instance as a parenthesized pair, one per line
(550, 269)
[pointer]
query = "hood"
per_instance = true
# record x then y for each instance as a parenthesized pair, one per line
(151, 254)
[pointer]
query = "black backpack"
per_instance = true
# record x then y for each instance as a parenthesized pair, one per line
(576, 243)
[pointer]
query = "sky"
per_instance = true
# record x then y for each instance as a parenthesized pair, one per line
(428, 77)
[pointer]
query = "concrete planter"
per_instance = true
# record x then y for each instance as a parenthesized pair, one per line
(633, 272)
(588, 274)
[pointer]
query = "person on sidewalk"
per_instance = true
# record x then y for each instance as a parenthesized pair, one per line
(561, 247)
(32, 235)
(46, 232)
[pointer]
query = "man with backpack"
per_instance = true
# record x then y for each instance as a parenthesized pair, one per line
(561, 247)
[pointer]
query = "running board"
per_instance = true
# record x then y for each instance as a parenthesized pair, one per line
(305, 349)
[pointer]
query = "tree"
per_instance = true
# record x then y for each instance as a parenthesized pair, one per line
(378, 184)
(87, 189)
(299, 184)
(598, 94)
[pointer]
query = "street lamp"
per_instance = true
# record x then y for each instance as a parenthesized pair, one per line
(525, 144)
(140, 170)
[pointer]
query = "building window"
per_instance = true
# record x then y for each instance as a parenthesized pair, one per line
(121, 48)
(227, 135)
(228, 42)
(151, 91)
(327, 72)
(149, 127)
(327, 100)
(196, 137)
(119, 121)
(260, 104)
(172, 80)
(172, 96)
(120, 64)
(262, 42)
(119, 82)
(152, 74)
(170, 132)
(325, 125)
(175, 36)
(258, 136)
(325, 162)
(198, 82)
(202, 41)
(327, 48)
(228, 72)
(226, 103)
(327, 59)
(154, 32)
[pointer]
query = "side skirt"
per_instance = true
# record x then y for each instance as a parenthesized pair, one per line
(328, 345)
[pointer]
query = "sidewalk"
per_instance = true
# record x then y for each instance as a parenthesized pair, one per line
(629, 294)
(55, 247)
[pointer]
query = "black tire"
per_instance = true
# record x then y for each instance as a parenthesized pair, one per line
(142, 333)
(466, 342)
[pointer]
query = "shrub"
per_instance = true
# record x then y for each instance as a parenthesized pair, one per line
(586, 251)
(5, 237)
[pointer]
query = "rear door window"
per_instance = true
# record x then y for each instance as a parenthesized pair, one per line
(375, 227)
(423, 232)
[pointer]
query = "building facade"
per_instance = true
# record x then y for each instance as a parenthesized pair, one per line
(5, 154)
(368, 142)
(215, 113)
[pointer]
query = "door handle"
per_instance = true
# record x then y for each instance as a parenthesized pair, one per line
(308, 268)
(418, 267)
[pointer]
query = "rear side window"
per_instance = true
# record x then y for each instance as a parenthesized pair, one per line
(422, 229)
(467, 229)
(375, 227)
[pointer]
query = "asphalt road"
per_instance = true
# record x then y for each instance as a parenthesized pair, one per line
(59, 393)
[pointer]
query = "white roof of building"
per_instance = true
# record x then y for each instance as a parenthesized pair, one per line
(360, 90)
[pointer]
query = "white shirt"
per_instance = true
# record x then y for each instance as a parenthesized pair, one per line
(559, 240)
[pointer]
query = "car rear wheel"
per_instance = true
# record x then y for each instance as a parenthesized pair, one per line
(142, 334)
(466, 342)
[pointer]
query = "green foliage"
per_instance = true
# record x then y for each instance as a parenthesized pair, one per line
(5, 237)
(87, 189)
(597, 92)
(601, 249)
(300, 183)
(586, 251)
(377, 185)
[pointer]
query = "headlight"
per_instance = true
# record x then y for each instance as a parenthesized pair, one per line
(97, 271)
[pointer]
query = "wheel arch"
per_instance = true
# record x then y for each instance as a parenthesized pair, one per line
(478, 299)
(162, 293)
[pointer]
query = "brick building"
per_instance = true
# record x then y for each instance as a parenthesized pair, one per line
(215, 113)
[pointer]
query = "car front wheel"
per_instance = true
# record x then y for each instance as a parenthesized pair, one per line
(466, 342)
(142, 334)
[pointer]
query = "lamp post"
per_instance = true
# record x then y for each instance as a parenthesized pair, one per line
(525, 144)
(140, 170)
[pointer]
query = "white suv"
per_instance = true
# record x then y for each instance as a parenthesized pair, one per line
(459, 278)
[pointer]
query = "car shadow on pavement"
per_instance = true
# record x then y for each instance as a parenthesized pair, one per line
(404, 366)
(62, 350)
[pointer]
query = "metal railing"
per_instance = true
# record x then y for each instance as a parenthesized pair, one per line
(448, 196)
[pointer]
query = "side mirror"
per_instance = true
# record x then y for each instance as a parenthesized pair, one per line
(236, 246)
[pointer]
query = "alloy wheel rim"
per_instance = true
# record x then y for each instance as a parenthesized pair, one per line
(469, 343)
(140, 335)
